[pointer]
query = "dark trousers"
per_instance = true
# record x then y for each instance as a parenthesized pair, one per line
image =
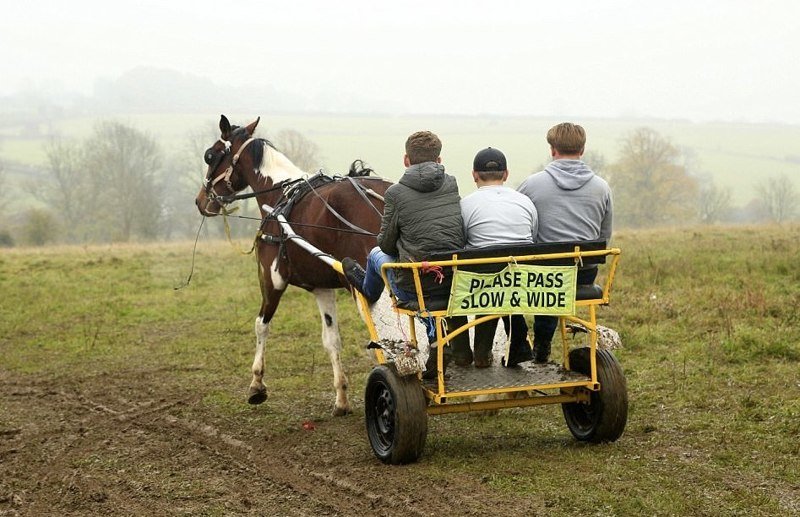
(545, 326)
(515, 326)
(460, 343)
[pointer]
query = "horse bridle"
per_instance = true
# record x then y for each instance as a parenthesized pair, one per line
(217, 158)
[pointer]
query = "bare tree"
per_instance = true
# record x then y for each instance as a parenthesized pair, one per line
(714, 203)
(126, 163)
(651, 186)
(778, 197)
(68, 190)
(300, 150)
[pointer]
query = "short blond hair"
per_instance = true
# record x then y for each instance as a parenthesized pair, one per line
(423, 146)
(567, 138)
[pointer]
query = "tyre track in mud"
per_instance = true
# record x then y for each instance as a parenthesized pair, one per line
(278, 477)
(302, 495)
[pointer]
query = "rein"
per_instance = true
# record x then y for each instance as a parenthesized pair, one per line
(336, 214)
(304, 225)
(230, 198)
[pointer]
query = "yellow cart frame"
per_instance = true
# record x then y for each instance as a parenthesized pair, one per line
(441, 399)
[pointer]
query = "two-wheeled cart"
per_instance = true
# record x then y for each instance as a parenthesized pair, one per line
(586, 380)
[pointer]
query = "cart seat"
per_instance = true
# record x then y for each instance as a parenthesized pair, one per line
(583, 292)
(519, 250)
(432, 304)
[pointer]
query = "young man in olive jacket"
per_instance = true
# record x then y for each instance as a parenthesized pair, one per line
(422, 216)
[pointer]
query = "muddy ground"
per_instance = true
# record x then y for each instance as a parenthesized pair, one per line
(124, 445)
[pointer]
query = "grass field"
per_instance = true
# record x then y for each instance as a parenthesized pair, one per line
(735, 155)
(708, 319)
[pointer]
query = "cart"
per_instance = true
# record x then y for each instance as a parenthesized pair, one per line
(586, 379)
(588, 382)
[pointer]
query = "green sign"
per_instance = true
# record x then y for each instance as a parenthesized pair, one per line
(517, 289)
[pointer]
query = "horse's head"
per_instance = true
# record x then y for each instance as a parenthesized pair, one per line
(225, 169)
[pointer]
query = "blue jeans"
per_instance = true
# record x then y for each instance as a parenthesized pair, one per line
(373, 285)
(373, 282)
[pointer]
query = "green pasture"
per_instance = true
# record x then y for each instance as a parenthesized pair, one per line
(708, 318)
(735, 155)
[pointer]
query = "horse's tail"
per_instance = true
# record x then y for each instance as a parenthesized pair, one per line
(358, 169)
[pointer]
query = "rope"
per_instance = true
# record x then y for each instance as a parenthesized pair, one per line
(438, 275)
(194, 253)
(225, 212)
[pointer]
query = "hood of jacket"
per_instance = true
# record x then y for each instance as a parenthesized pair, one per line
(569, 174)
(424, 177)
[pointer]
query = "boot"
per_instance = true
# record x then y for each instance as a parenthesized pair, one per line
(519, 353)
(541, 351)
(430, 365)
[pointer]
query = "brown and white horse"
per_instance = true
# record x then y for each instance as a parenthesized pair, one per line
(324, 217)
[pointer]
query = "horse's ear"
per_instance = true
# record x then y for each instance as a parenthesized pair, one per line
(252, 126)
(224, 127)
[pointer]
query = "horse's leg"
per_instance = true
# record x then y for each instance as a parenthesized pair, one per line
(332, 341)
(273, 286)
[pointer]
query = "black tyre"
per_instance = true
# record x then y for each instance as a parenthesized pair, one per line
(603, 419)
(397, 421)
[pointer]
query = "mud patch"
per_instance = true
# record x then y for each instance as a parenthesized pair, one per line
(110, 447)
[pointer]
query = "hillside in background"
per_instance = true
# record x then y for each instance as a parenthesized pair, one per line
(181, 112)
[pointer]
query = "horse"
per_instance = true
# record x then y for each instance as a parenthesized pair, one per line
(341, 218)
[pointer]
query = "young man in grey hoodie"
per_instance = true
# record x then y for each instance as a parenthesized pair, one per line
(573, 204)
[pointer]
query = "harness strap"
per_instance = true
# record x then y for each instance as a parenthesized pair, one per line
(337, 215)
(360, 189)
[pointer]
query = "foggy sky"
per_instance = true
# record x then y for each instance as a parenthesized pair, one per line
(697, 60)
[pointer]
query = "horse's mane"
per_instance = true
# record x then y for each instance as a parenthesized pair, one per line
(256, 152)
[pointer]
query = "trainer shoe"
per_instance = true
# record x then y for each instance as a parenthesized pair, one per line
(355, 275)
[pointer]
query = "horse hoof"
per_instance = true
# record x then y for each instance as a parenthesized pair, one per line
(341, 411)
(256, 396)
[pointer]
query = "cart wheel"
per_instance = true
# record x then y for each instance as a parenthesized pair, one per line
(603, 418)
(397, 421)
